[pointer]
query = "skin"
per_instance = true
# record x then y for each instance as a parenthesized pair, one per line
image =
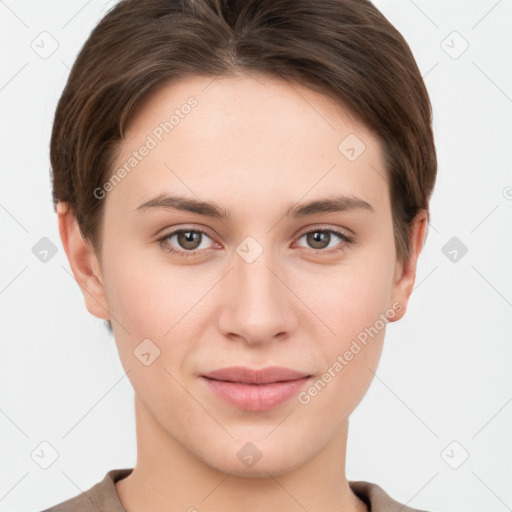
(255, 145)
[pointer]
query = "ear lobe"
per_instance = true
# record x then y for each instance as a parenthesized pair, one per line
(405, 272)
(83, 262)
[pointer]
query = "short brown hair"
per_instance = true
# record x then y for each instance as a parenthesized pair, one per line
(345, 49)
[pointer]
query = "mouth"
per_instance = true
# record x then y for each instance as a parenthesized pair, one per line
(255, 390)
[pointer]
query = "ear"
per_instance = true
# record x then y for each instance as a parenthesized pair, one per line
(405, 272)
(83, 261)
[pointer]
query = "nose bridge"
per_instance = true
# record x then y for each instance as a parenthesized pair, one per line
(256, 279)
(259, 307)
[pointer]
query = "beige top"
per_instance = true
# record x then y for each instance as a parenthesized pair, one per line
(103, 497)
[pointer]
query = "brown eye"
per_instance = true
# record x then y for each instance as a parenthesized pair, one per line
(324, 240)
(318, 239)
(189, 240)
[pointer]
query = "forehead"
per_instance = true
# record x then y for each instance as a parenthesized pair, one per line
(247, 136)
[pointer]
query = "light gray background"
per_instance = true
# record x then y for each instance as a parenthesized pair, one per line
(445, 370)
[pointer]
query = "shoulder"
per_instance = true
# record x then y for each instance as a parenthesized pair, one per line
(377, 499)
(101, 496)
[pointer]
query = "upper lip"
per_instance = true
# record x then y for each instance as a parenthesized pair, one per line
(250, 376)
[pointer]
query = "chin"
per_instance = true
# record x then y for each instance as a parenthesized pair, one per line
(275, 461)
(262, 472)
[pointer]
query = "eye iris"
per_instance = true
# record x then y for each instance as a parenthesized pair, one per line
(319, 237)
(188, 239)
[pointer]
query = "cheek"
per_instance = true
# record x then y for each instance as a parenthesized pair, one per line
(337, 391)
(146, 297)
(352, 302)
(132, 297)
(350, 297)
(350, 349)
(155, 302)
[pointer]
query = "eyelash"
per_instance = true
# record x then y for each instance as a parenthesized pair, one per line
(186, 254)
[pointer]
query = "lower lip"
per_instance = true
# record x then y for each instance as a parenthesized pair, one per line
(256, 397)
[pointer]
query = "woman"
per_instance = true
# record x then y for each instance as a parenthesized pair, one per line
(243, 193)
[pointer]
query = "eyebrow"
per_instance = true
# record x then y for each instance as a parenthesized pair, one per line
(338, 203)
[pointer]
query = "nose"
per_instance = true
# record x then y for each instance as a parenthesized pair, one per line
(259, 303)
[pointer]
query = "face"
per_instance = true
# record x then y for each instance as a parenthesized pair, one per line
(263, 282)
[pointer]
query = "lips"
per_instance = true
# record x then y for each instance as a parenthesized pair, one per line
(255, 390)
(249, 376)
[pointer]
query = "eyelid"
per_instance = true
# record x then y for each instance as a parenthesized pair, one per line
(326, 227)
(164, 238)
(186, 227)
(347, 240)
(176, 230)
